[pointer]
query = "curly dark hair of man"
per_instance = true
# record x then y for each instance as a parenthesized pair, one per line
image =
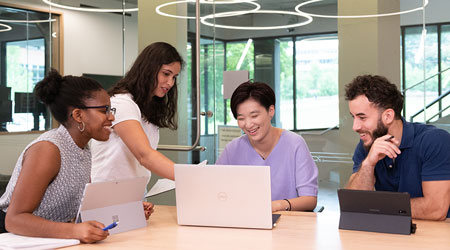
(258, 91)
(142, 79)
(378, 90)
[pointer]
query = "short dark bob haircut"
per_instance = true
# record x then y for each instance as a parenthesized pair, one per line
(378, 90)
(258, 91)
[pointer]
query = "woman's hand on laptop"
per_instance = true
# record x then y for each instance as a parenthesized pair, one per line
(280, 205)
(148, 209)
(90, 231)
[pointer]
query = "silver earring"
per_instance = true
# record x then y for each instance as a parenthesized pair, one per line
(84, 126)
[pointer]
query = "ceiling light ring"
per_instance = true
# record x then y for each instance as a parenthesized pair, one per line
(297, 9)
(309, 19)
(7, 27)
(159, 7)
(88, 9)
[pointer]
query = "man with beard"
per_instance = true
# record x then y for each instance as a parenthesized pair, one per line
(395, 155)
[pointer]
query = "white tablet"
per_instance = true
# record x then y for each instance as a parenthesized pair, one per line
(115, 200)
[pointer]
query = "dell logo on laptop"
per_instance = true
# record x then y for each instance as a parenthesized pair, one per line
(222, 196)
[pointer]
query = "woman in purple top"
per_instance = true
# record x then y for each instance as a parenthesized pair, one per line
(292, 169)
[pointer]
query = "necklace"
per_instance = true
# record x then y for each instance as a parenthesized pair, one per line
(262, 156)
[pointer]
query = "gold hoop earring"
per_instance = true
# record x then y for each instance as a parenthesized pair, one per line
(84, 126)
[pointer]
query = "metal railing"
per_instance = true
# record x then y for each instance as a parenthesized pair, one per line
(440, 112)
(439, 98)
(436, 100)
(426, 79)
(332, 157)
(320, 132)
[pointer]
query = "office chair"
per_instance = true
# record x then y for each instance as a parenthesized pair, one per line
(4, 179)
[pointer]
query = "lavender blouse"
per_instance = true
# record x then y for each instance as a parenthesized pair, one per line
(292, 169)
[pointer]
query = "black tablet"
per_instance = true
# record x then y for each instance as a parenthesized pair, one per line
(375, 211)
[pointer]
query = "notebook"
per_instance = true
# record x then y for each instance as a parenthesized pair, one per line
(224, 196)
(375, 211)
(115, 200)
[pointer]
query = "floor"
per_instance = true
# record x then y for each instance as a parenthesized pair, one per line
(328, 196)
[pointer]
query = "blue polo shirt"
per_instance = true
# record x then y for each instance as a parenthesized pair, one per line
(425, 156)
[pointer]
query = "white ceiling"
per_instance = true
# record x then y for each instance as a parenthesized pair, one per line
(265, 4)
(287, 5)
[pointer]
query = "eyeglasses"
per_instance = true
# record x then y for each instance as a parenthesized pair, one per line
(108, 109)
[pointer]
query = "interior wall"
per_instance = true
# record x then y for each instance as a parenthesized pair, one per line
(93, 41)
(92, 44)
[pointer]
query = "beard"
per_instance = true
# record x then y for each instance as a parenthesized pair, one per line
(380, 131)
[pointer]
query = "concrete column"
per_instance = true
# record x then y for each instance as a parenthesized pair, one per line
(153, 27)
(366, 46)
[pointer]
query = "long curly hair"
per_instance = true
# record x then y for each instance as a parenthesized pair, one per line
(142, 79)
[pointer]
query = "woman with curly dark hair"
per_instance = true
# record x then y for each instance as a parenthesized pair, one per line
(146, 100)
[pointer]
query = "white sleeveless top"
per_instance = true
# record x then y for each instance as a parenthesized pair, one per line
(63, 196)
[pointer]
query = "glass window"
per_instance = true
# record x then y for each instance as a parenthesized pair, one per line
(234, 53)
(219, 62)
(211, 68)
(317, 82)
(286, 84)
(206, 82)
(189, 102)
(25, 65)
(445, 65)
(25, 56)
(414, 68)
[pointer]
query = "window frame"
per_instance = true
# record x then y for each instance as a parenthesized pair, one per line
(439, 59)
(293, 38)
(56, 56)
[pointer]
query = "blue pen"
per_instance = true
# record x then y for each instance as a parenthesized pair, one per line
(111, 226)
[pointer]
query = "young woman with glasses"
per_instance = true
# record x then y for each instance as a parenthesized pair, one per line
(48, 181)
(146, 100)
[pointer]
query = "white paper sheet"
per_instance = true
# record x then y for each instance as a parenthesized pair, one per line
(161, 186)
(12, 241)
(164, 185)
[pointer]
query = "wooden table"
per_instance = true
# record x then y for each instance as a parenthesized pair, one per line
(294, 230)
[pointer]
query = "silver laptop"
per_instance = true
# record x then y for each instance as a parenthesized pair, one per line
(224, 196)
(110, 201)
